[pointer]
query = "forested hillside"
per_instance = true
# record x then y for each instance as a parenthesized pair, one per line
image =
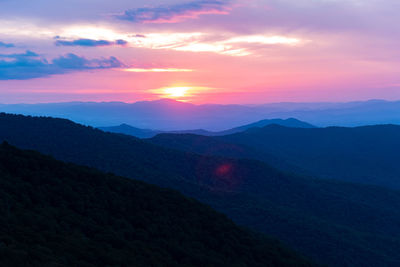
(366, 154)
(57, 214)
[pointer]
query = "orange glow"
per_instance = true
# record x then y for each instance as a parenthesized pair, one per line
(179, 92)
(175, 92)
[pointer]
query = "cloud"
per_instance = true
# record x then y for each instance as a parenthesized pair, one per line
(27, 54)
(175, 13)
(30, 65)
(233, 45)
(90, 42)
(6, 45)
(157, 70)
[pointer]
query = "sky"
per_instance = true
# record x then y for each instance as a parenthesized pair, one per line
(204, 51)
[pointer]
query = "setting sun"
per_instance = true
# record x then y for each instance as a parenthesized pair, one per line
(176, 91)
(181, 93)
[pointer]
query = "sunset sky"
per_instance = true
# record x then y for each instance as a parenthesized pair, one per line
(206, 51)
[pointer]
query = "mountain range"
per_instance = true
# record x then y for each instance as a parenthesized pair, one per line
(170, 115)
(147, 133)
(366, 154)
(332, 222)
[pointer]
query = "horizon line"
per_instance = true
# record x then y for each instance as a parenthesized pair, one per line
(204, 104)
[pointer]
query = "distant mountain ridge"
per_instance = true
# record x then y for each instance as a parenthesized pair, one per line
(147, 133)
(291, 123)
(170, 115)
(130, 130)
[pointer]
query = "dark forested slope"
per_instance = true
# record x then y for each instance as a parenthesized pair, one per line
(212, 146)
(57, 214)
(367, 154)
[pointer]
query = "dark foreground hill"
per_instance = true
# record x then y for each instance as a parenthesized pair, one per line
(334, 223)
(57, 214)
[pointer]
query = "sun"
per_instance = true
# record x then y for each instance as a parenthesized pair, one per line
(179, 92)
(175, 92)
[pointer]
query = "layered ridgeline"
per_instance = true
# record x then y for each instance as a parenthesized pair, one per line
(367, 154)
(58, 214)
(168, 114)
(334, 223)
(148, 133)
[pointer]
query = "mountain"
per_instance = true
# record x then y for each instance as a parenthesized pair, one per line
(365, 154)
(146, 133)
(58, 214)
(212, 146)
(291, 122)
(130, 130)
(362, 154)
(333, 223)
(170, 115)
